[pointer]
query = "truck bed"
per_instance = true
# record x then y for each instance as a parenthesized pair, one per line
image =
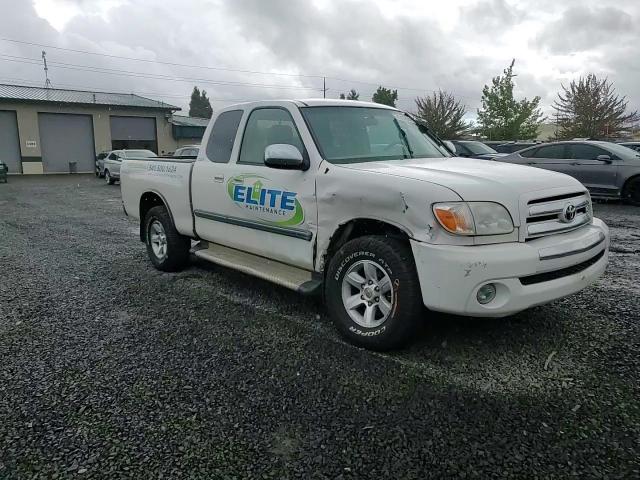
(167, 177)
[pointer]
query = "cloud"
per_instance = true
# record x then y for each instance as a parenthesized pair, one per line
(581, 28)
(492, 16)
(411, 45)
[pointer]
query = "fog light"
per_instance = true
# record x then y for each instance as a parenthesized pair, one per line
(486, 293)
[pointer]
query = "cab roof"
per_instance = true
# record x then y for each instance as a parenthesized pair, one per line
(313, 102)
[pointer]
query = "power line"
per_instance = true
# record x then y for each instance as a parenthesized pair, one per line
(110, 71)
(206, 67)
(85, 52)
(153, 94)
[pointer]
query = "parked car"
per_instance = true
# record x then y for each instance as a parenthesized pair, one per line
(474, 149)
(511, 147)
(187, 151)
(607, 169)
(113, 161)
(632, 145)
(100, 164)
(4, 169)
(358, 201)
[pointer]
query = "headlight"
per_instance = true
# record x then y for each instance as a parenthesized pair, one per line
(473, 218)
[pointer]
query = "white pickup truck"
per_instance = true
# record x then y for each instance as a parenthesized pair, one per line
(360, 202)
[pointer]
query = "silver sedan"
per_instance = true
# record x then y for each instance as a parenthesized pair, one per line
(608, 170)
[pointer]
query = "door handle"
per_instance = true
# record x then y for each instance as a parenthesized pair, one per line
(575, 164)
(218, 178)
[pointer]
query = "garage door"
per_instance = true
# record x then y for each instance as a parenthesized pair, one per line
(64, 139)
(9, 141)
(133, 132)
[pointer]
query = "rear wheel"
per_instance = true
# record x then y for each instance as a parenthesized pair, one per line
(373, 293)
(631, 192)
(168, 250)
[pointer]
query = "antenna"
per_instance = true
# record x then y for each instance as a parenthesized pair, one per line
(47, 82)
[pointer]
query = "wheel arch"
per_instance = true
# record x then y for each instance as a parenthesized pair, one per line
(359, 227)
(627, 182)
(148, 200)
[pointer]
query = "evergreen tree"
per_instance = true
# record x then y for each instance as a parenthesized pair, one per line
(504, 118)
(385, 96)
(199, 106)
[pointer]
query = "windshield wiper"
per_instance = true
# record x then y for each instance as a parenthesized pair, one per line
(426, 129)
(403, 134)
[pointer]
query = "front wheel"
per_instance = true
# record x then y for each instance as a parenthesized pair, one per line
(631, 192)
(373, 293)
(168, 250)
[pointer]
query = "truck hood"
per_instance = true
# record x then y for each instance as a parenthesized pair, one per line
(478, 180)
(472, 179)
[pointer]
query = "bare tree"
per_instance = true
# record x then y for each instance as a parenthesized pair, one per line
(590, 108)
(444, 114)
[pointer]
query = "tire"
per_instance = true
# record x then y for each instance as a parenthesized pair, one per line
(631, 191)
(109, 179)
(158, 222)
(398, 293)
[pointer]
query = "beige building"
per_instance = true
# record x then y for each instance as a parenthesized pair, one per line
(47, 130)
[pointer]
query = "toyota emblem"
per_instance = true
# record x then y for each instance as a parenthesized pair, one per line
(568, 213)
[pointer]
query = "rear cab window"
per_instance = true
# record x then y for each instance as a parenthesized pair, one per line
(223, 135)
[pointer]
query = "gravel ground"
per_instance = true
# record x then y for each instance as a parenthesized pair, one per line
(111, 369)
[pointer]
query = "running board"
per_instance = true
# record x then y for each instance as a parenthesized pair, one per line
(297, 279)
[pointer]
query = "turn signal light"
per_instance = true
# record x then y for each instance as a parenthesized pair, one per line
(455, 218)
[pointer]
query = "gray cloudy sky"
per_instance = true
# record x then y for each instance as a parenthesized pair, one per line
(414, 45)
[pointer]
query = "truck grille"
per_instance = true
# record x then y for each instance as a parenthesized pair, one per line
(557, 214)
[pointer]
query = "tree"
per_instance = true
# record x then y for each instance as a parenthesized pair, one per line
(352, 95)
(504, 118)
(444, 114)
(385, 96)
(199, 106)
(591, 108)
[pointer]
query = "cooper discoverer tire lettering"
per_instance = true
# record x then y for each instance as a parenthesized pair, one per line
(372, 292)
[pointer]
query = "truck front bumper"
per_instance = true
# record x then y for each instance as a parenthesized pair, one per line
(524, 274)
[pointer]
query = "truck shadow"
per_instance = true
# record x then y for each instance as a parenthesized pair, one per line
(438, 332)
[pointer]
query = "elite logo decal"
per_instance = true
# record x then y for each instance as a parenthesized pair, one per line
(269, 204)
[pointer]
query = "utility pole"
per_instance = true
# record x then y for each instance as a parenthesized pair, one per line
(47, 82)
(324, 87)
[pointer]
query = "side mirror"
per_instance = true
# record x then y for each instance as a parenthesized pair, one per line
(604, 158)
(284, 157)
(449, 144)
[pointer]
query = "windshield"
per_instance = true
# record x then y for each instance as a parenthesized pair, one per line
(139, 154)
(478, 148)
(363, 134)
(624, 153)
